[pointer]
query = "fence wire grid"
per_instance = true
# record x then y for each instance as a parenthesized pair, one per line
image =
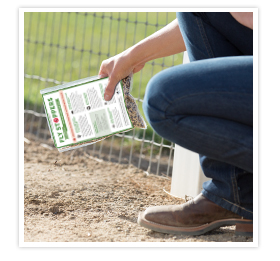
(61, 47)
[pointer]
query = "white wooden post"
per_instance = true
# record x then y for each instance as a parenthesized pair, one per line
(187, 176)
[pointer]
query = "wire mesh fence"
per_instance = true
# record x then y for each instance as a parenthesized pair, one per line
(65, 46)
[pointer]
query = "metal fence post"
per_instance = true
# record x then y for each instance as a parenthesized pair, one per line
(187, 176)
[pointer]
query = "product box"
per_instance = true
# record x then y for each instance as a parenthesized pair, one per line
(78, 115)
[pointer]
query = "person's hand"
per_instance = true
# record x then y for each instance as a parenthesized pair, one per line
(117, 68)
(244, 18)
(167, 41)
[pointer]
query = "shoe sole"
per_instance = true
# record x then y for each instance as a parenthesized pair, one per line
(244, 227)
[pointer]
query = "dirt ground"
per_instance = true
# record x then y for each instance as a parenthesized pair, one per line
(73, 197)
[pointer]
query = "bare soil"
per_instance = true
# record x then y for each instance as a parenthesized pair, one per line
(73, 197)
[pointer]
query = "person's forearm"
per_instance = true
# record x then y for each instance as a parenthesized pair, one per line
(165, 42)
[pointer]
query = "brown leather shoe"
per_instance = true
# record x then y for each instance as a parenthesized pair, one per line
(194, 217)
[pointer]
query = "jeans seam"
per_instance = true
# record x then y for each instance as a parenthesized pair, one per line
(204, 37)
(233, 190)
(236, 187)
(237, 205)
(220, 201)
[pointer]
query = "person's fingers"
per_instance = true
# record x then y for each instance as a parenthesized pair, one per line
(102, 74)
(115, 70)
(103, 71)
(110, 89)
(106, 70)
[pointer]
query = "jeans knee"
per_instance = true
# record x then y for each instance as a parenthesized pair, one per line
(154, 101)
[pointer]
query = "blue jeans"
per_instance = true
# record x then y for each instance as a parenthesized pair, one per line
(206, 106)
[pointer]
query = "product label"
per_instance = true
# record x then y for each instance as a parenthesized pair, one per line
(80, 113)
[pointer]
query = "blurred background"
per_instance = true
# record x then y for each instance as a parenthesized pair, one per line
(61, 47)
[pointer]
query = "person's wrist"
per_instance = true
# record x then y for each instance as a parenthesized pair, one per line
(137, 55)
